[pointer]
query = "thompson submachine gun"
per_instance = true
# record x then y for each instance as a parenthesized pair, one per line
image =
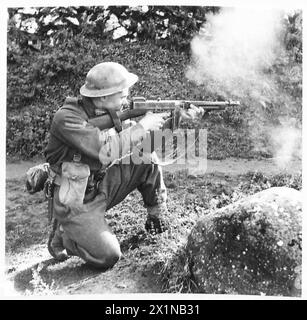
(139, 106)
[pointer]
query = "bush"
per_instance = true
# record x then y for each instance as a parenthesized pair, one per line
(161, 75)
(40, 77)
(27, 133)
(39, 91)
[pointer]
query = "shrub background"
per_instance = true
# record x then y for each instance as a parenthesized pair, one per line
(46, 66)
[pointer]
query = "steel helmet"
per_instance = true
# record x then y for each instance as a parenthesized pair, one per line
(107, 78)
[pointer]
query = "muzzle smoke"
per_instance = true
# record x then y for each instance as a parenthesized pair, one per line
(232, 57)
(286, 141)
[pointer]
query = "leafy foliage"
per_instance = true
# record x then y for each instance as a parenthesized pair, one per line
(46, 66)
(50, 83)
(28, 133)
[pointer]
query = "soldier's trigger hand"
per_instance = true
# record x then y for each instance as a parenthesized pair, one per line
(165, 115)
(192, 113)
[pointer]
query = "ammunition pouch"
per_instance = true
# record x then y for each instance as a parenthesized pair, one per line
(76, 184)
(74, 181)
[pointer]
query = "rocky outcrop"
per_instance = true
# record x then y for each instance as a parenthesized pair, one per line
(252, 246)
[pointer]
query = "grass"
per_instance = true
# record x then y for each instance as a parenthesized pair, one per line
(163, 255)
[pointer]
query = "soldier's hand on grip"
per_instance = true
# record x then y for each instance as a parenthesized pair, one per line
(153, 121)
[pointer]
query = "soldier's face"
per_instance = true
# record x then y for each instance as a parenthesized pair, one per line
(115, 101)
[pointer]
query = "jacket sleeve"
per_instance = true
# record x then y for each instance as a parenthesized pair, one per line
(104, 145)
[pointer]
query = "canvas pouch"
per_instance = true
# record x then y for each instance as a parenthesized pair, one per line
(73, 183)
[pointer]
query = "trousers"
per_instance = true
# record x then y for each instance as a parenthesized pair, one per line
(85, 231)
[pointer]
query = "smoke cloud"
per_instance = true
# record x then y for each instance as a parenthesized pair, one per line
(234, 47)
(287, 142)
(232, 57)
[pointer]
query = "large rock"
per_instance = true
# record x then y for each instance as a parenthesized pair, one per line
(252, 246)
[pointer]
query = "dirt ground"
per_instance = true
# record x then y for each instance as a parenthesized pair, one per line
(30, 270)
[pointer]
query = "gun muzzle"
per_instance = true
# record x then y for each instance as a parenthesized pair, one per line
(234, 103)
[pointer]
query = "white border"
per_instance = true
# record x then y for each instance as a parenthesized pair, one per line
(293, 4)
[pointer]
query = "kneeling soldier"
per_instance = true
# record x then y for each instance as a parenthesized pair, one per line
(89, 176)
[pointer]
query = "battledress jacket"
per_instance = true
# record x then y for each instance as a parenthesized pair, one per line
(72, 134)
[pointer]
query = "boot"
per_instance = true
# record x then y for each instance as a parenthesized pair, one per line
(55, 243)
(154, 223)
